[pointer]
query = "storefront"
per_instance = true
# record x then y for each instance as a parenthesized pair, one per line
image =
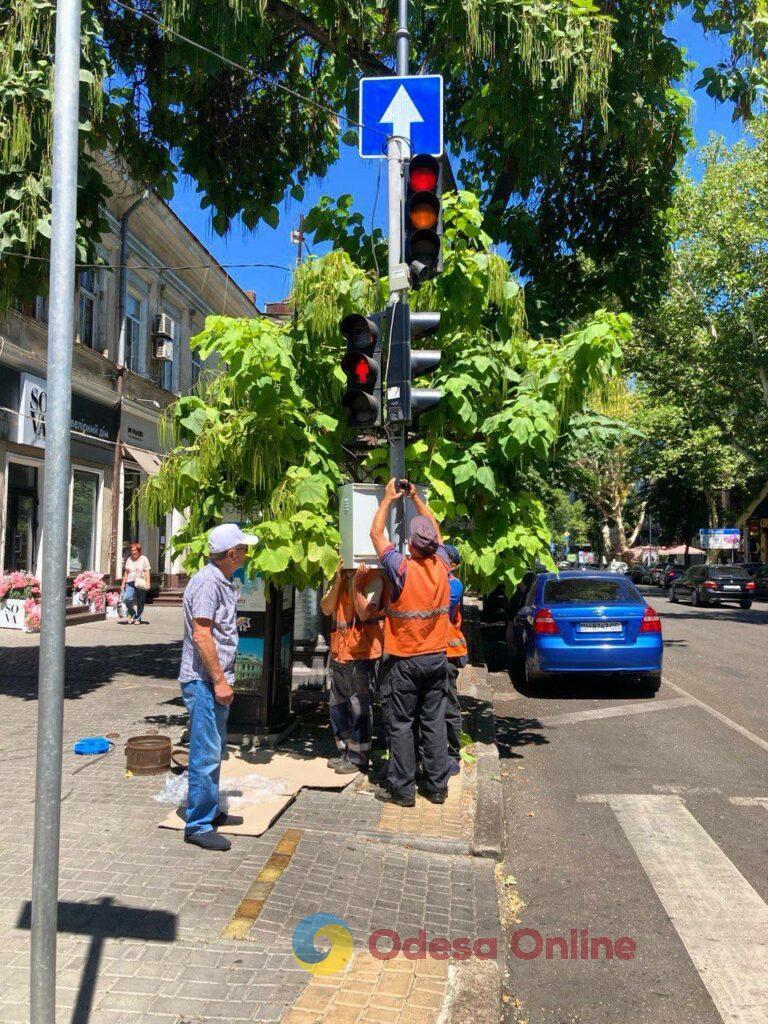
(23, 399)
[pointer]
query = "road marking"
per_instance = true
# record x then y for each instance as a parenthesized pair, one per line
(720, 918)
(615, 711)
(686, 790)
(719, 715)
(750, 801)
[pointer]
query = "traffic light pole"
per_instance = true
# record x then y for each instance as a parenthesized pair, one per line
(45, 861)
(396, 155)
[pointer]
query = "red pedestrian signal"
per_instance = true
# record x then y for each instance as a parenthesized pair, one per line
(423, 218)
(362, 366)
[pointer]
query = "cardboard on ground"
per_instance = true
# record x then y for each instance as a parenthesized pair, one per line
(293, 770)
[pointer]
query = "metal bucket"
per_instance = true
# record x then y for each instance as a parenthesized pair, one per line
(148, 755)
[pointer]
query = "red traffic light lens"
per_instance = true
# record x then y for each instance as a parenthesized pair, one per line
(423, 179)
(360, 370)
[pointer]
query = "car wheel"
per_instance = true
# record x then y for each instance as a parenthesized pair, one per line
(745, 604)
(672, 595)
(695, 599)
(650, 683)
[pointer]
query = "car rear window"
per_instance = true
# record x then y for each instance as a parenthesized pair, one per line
(579, 591)
(724, 572)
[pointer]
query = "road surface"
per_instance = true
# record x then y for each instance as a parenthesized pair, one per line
(643, 819)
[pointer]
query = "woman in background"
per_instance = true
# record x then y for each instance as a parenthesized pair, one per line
(135, 584)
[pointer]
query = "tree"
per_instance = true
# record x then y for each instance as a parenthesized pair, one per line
(566, 118)
(258, 439)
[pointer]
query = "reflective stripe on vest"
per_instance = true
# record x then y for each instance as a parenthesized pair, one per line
(417, 623)
(457, 644)
(351, 638)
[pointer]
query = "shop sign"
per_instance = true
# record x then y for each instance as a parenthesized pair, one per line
(726, 539)
(88, 417)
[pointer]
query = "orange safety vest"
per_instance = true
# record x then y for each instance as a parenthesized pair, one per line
(417, 623)
(351, 638)
(457, 644)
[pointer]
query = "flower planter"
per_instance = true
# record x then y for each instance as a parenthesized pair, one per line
(12, 613)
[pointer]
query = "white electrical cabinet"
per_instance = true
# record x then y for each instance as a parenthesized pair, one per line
(357, 507)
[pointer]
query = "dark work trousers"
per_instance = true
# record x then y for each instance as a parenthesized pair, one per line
(414, 689)
(352, 684)
(453, 709)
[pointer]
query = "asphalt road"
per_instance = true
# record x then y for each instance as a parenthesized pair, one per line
(644, 819)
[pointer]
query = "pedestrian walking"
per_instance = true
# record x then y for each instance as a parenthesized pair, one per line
(355, 602)
(415, 672)
(457, 655)
(136, 582)
(207, 677)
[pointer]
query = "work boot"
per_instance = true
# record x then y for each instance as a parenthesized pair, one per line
(209, 841)
(435, 796)
(347, 767)
(334, 762)
(388, 796)
(222, 818)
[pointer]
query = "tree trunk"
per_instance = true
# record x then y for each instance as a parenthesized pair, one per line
(605, 533)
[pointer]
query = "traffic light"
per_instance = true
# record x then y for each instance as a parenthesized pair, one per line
(362, 365)
(423, 218)
(405, 402)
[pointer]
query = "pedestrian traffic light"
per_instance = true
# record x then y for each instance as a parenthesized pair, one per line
(362, 365)
(423, 218)
(405, 402)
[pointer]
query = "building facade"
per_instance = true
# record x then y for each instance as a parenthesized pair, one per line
(159, 296)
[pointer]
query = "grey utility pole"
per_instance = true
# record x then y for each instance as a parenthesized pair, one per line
(61, 333)
(397, 153)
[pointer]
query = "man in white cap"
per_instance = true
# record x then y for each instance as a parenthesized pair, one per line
(207, 676)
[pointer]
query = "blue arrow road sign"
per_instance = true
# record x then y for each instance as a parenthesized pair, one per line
(411, 107)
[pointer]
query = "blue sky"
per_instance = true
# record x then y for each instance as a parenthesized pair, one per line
(359, 177)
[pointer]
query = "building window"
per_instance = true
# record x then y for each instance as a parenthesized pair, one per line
(85, 505)
(135, 332)
(170, 372)
(87, 308)
(21, 518)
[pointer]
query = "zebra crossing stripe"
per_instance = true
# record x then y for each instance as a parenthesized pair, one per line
(720, 918)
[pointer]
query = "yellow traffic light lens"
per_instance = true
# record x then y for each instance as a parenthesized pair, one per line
(423, 216)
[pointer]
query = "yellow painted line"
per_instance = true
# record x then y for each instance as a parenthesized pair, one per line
(253, 902)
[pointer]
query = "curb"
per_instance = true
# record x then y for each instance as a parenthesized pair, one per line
(474, 994)
(488, 839)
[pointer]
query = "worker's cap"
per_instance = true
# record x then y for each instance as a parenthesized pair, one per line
(453, 553)
(228, 535)
(423, 540)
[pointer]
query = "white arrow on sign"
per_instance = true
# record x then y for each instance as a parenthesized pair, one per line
(401, 114)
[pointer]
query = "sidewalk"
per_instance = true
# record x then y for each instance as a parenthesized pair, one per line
(154, 931)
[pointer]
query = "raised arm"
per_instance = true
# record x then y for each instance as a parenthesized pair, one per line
(423, 509)
(331, 596)
(378, 526)
(367, 593)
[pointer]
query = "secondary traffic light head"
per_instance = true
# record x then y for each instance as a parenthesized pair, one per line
(423, 218)
(405, 402)
(362, 365)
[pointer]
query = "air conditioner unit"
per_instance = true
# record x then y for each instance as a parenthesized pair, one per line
(163, 349)
(163, 326)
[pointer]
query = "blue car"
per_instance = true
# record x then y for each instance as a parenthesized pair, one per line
(587, 623)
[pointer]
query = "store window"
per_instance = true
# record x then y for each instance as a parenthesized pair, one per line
(87, 308)
(131, 485)
(135, 333)
(21, 528)
(85, 504)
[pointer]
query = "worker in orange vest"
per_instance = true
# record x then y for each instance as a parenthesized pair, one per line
(355, 603)
(415, 672)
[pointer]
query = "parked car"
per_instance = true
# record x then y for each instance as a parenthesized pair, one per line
(761, 583)
(652, 572)
(636, 571)
(714, 584)
(586, 623)
(670, 573)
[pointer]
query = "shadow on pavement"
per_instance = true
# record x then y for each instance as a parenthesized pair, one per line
(723, 614)
(104, 920)
(513, 733)
(590, 688)
(88, 668)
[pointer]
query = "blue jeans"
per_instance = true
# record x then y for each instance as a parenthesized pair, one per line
(134, 600)
(207, 742)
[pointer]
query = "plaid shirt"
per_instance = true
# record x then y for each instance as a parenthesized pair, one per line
(209, 595)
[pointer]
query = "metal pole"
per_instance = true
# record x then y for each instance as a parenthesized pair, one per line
(395, 157)
(61, 333)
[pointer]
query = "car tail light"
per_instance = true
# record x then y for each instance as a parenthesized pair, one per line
(750, 585)
(710, 585)
(544, 624)
(651, 622)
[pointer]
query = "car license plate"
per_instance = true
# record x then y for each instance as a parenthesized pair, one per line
(731, 586)
(599, 627)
